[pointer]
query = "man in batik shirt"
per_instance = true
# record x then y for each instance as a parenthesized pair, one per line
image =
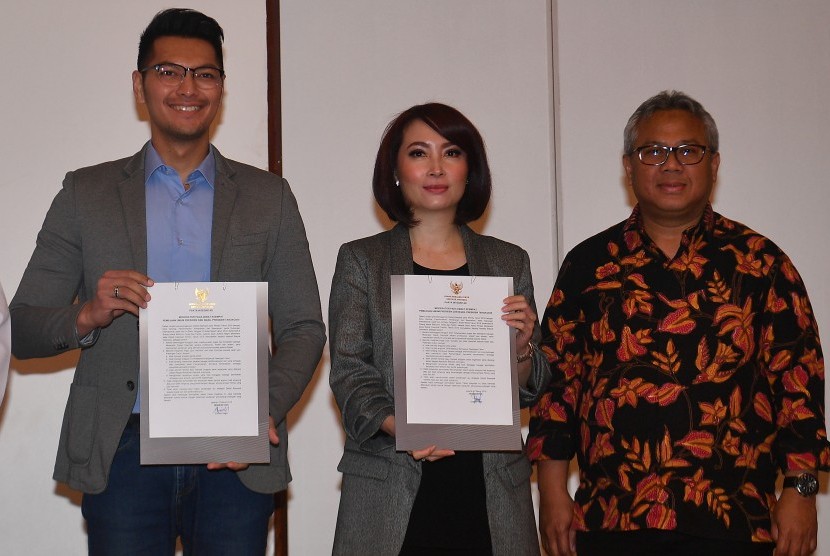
(687, 370)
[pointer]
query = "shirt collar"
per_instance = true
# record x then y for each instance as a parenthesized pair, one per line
(152, 162)
(706, 224)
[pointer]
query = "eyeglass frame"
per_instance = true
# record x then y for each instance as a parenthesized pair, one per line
(668, 152)
(193, 71)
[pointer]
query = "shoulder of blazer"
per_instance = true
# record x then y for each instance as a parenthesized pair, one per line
(481, 241)
(245, 175)
(370, 246)
(107, 173)
(490, 252)
(387, 252)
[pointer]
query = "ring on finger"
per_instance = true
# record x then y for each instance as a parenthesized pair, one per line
(116, 291)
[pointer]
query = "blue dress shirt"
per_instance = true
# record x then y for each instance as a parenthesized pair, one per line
(179, 222)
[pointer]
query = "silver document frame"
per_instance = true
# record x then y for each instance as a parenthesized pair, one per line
(415, 436)
(198, 450)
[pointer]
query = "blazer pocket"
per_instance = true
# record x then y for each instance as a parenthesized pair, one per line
(83, 411)
(516, 472)
(245, 257)
(364, 465)
(249, 239)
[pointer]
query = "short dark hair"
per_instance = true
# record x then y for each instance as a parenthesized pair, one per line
(669, 100)
(452, 125)
(180, 22)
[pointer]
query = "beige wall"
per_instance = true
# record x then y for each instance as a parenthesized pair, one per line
(348, 67)
(760, 68)
(66, 102)
(347, 70)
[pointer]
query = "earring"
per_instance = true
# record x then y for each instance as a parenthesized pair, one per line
(397, 182)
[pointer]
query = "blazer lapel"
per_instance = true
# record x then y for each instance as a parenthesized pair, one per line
(477, 260)
(400, 251)
(224, 198)
(134, 208)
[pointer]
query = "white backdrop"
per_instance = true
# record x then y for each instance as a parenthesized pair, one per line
(347, 70)
(66, 102)
(348, 67)
(760, 67)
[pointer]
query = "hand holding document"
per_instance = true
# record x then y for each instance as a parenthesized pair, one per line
(455, 371)
(204, 373)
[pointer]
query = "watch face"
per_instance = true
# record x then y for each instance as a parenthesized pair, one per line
(806, 484)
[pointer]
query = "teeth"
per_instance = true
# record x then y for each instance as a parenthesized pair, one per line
(186, 108)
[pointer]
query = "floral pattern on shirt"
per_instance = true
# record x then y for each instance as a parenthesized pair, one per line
(681, 385)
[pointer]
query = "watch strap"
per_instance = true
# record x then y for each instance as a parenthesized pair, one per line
(805, 484)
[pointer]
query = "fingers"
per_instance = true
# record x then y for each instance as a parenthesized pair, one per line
(517, 310)
(794, 524)
(559, 543)
(388, 425)
(565, 541)
(795, 543)
(232, 465)
(117, 292)
(273, 437)
(235, 465)
(420, 455)
(555, 509)
(439, 454)
(124, 289)
(558, 539)
(520, 315)
(431, 454)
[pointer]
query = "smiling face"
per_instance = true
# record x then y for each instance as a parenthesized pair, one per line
(672, 194)
(432, 171)
(179, 114)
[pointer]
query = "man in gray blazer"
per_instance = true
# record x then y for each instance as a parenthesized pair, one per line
(176, 211)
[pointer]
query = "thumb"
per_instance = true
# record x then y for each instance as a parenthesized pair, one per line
(273, 437)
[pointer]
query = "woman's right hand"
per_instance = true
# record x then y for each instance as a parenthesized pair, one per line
(430, 453)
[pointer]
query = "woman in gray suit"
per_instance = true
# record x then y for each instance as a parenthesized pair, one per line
(431, 177)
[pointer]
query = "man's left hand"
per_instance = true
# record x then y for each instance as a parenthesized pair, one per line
(794, 524)
(236, 466)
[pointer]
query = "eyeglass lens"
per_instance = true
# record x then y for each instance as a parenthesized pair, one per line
(205, 77)
(659, 154)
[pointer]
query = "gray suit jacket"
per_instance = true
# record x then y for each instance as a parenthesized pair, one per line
(96, 223)
(380, 484)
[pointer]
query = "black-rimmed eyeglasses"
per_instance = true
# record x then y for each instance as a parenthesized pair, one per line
(657, 155)
(205, 77)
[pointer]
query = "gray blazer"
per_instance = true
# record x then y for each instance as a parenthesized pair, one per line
(380, 484)
(97, 222)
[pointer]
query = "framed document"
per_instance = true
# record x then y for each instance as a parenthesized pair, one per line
(456, 382)
(204, 373)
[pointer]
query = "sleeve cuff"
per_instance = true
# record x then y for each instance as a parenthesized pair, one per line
(88, 340)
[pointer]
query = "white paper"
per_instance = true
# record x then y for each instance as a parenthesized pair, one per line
(458, 354)
(202, 360)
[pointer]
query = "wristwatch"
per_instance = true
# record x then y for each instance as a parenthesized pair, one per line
(806, 484)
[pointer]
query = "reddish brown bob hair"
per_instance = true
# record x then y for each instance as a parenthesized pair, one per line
(453, 126)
